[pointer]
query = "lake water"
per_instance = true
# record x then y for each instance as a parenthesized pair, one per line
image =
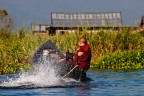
(104, 84)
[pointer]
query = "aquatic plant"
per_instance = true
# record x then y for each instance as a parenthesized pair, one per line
(17, 47)
(128, 60)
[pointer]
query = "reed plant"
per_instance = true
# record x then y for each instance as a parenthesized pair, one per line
(17, 47)
(102, 42)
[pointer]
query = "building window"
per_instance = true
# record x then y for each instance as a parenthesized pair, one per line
(61, 16)
(87, 16)
(94, 16)
(75, 16)
(58, 16)
(54, 15)
(118, 15)
(82, 16)
(102, 16)
(71, 16)
(66, 16)
(79, 16)
(98, 16)
(90, 16)
(106, 16)
(43, 28)
(36, 28)
(110, 16)
(114, 15)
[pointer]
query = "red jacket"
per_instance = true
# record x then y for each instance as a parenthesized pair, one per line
(83, 61)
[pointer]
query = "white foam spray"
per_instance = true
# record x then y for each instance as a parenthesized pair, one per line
(44, 74)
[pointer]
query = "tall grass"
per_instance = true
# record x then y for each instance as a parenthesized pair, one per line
(103, 42)
(17, 47)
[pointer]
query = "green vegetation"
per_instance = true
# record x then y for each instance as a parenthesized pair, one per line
(111, 49)
(123, 61)
(16, 48)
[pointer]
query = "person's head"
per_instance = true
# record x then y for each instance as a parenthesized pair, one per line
(82, 41)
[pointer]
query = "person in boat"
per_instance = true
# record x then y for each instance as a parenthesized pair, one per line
(81, 58)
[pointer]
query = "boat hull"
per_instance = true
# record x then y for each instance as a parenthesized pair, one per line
(50, 50)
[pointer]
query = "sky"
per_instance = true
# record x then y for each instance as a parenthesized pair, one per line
(26, 12)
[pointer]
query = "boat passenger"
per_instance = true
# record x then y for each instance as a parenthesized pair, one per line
(82, 57)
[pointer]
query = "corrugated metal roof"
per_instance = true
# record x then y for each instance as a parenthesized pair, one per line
(84, 19)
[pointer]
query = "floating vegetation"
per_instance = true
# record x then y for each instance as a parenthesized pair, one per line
(129, 60)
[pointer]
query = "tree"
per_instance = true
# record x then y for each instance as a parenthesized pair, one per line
(6, 22)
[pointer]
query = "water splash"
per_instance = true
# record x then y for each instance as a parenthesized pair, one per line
(45, 73)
